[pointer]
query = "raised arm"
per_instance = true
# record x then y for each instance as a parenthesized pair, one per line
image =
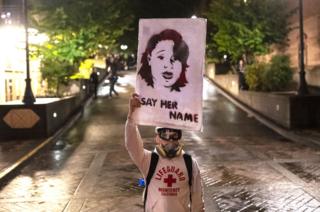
(133, 140)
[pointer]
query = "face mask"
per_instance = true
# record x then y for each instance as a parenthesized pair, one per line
(170, 150)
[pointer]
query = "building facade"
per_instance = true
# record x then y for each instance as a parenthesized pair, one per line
(311, 22)
(311, 37)
(13, 56)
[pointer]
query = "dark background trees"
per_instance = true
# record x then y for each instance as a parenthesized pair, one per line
(78, 29)
(246, 28)
(156, 9)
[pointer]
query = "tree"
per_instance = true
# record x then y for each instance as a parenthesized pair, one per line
(76, 30)
(156, 9)
(247, 28)
(62, 54)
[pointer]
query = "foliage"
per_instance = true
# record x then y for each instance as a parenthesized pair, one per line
(155, 9)
(85, 69)
(56, 72)
(245, 29)
(76, 30)
(274, 76)
(278, 75)
(254, 75)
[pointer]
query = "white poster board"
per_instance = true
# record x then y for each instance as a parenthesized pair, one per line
(170, 68)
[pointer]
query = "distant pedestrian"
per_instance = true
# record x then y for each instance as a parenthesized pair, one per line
(94, 80)
(108, 63)
(241, 72)
(113, 76)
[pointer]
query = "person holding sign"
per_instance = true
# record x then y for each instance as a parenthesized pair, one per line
(173, 181)
(164, 61)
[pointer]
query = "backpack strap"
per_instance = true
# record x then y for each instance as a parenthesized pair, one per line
(152, 169)
(188, 161)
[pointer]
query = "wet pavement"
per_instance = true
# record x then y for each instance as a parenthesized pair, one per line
(13, 150)
(244, 165)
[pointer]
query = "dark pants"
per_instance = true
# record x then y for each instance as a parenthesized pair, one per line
(113, 81)
(242, 82)
(95, 91)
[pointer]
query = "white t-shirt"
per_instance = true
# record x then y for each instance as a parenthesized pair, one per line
(169, 187)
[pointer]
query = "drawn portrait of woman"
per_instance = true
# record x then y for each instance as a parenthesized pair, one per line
(164, 61)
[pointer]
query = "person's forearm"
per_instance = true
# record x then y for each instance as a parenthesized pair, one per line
(133, 141)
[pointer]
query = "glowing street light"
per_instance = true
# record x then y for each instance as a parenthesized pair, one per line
(28, 98)
(6, 17)
(225, 57)
(124, 47)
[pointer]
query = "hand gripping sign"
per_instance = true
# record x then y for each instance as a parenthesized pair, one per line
(170, 72)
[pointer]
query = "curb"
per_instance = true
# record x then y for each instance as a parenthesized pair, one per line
(291, 135)
(20, 162)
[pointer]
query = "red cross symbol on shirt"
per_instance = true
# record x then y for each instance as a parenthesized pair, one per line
(170, 180)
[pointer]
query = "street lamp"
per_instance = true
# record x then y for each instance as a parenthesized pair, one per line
(6, 17)
(28, 98)
(303, 88)
(123, 47)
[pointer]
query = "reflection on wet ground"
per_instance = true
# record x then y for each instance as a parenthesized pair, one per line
(309, 172)
(244, 166)
(9, 153)
(258, 174)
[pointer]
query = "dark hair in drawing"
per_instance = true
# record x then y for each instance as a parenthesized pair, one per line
(180, 52)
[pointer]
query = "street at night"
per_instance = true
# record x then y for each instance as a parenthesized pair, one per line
(244, 165)
(159, 106)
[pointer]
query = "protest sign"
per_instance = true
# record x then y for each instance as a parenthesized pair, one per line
(170, 67)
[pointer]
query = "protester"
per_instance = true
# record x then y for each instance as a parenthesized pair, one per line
(173, 181)
(94, 80)
(108, 63)
(113, 76)
(242, 80)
